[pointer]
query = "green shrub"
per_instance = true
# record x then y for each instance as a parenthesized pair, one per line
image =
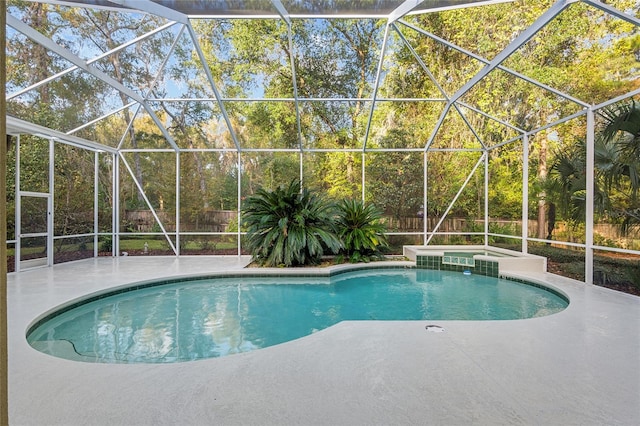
(361, 230)
(289, 226)
(107, 244)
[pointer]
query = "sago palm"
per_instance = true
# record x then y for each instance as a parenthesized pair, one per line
(361, 230)
(289, 226)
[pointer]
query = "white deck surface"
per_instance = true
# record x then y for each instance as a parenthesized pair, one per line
(577, 367)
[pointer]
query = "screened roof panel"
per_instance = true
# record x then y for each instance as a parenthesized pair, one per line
(486, 31)
(23, 70)
(77, 98)
(337, 58)
(86, 32)
(247, 58)
(139, 67)
(334, 61)
(436, 5)
(450, 67)
(194, 124)
(264, 124)
(401, 124)
(144, 133)
(518, 102)
(334, 125)
(630, 7)
(404, 75)
(456, 133)
(109, 130)
(568, 51)
(490, 131)
(183, 75)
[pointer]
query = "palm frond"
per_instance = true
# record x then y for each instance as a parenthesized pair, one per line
(361, 230)
(289, 226)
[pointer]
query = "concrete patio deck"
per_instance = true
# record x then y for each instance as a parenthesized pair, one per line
(578, 367)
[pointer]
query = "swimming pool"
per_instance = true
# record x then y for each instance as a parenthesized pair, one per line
(212, 317)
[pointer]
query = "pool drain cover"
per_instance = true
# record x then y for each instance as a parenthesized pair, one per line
(434, 328)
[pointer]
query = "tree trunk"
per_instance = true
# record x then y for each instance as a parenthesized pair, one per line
(542, 175)
(38, 19)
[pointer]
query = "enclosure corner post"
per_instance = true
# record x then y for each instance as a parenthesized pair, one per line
(590, 187)
(486, 197)
(525, 192)
(4, 352)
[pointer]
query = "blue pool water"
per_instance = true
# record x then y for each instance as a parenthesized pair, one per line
(214, 317)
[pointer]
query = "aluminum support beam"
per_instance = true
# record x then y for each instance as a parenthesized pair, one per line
(425, 187)
(461, 5)
(376, 86)
(282, 11)
(589, 198)
(96, 205)
(178, 203)
(239, 201)
(525, 192)
(18, 212)
(301, 168)
(403, 9)
(15, 125)
(216, 93)
(4, 341)
(50, 200)
(464, 185)
(434, 132)
(486, 199)
(115, 209)
(617, 99)
(151, 209)
(363, 175)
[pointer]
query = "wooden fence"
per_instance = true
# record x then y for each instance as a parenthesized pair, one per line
(205, 221)
(219, 221)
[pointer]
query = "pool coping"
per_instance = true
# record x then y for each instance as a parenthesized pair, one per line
(548, 370)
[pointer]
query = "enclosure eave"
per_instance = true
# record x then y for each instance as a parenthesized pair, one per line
(16, 126)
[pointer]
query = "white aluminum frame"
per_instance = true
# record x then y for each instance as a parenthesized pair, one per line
(452, 104)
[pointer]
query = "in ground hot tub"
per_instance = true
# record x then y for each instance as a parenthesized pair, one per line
(484, 260)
